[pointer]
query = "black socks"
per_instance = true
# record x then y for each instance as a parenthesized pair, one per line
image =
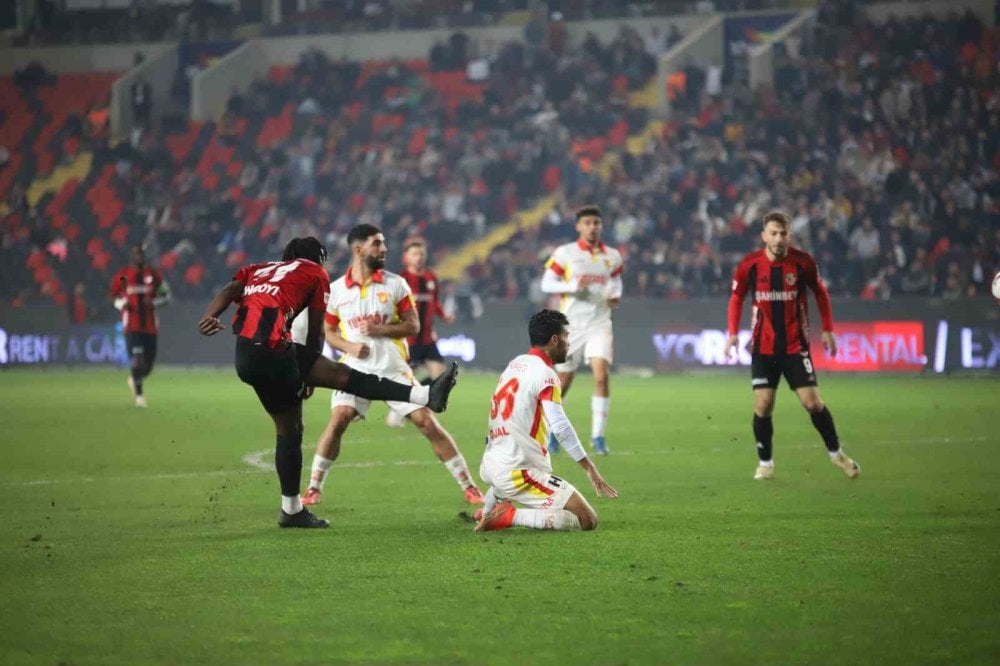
(372, 387)
(763, 432)
(823, 422)
(288, 462)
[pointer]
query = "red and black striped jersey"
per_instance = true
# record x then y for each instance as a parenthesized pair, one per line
(273, 294)
(138, 286)
(425, 292)
(780, 316)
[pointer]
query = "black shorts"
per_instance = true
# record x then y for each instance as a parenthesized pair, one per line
(277, 375)
(142, 344)
(766, 370)
(420, 354)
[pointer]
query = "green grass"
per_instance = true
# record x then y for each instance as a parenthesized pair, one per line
(133, 536)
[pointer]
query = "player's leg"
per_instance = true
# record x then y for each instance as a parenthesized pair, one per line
(434, 368)
(598, 350)
(801, 376)
(551, 503)
(765, 378)
(330, 374)
(447, 452)
(288, 463)
(328, 446)
(137, 366)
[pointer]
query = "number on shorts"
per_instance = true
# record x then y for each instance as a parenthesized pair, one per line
(807, 364)
(505, 397)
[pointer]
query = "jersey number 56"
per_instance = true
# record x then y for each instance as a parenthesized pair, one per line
(503, 400)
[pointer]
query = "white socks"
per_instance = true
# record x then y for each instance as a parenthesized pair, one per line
(547, 519)
(419, 395)
(459, 471)
(320, 469)
(834, 454)
(598, 415)
(489, 500)
(291, 505)
(765, 463)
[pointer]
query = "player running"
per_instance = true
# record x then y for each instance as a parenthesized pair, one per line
(423, 346)
(588, 275)
(370, 314)
(777, 276)
(527, 406)
(137, 291)
(281, 372)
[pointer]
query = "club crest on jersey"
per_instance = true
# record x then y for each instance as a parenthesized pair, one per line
(383, 297)
(149, 279)
(790, 279)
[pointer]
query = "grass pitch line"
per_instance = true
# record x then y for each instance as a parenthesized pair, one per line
(256, 462)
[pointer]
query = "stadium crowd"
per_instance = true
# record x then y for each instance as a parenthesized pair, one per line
(885, 155)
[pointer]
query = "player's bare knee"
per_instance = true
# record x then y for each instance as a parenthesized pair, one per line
(588, 519)
(813, 405)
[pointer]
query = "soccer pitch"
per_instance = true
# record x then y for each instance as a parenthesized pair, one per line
(133, 536)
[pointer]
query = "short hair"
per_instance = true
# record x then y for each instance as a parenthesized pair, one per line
(361, 233)
(778, 217)
(305, 248)
(544, 324)
(414, 242)
(587, 211)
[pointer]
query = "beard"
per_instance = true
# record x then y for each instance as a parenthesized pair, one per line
(375, 263)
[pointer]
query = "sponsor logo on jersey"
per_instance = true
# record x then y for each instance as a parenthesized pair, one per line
(355, 322)
(497, 433)
(774, 295)
(584, 280)
(269, 289)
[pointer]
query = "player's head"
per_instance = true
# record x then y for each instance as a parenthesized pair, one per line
(589, 224)
(547, 331)
(367, 245)
(138, 254)
(777, 229)
(305, 248)
(415, 254)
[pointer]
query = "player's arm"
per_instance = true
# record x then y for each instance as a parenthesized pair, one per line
(560, 426)
(741, 279)
(119, 291)
(615, 287)
(331, 329)
(554, 279)
(163, 294)
(408, 325)
(438, 309)
(818, 286)
(209, 324)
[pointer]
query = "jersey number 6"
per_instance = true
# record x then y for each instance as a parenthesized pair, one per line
(503, 400)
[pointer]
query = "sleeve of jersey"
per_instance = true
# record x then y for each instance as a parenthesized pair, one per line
(404, 297)
(242, 276)
(116, 285)
(818, 286)
(560, 426)
(321, 293)
(332, 317)
(740, 277)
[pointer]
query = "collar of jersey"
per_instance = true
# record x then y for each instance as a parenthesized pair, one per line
(377, 276)
(535, 351)
(586, 248)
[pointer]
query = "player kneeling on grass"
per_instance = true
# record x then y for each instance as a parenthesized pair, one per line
(370, 315)
(777, 276)
(281, 372)
(527, 404)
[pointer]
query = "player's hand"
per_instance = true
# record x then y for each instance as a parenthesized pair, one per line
(307, 392)
(210, 326)
(614, 302)
(449, 319)
(732, 350)
(601, 486)
(830, 342)
(370, 328)
(361, 351)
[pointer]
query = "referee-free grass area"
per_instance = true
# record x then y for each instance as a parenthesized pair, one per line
(140, 536)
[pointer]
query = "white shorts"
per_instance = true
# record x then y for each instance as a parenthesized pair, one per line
(586, 343)
(534, 488)
(361, 405)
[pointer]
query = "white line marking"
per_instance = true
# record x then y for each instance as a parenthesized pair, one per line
(256, 464)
